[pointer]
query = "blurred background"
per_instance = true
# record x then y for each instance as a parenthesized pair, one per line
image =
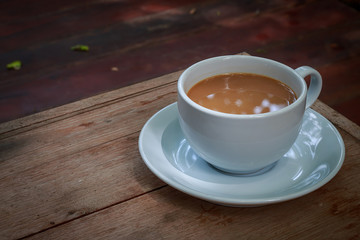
(133, 41)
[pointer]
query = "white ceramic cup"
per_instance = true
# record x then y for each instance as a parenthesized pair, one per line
(251, 143)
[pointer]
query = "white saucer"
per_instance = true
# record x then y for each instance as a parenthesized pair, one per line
(314, 159)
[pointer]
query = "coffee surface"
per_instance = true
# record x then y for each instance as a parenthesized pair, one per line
(242, 93)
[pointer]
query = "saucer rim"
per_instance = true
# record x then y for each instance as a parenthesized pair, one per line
(230, 201)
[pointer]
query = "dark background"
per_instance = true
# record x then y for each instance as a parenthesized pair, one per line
(133, 41)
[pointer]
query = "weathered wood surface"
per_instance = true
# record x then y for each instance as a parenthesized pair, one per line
(150, 38)
(74, 172)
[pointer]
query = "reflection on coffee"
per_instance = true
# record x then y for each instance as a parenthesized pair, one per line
(242, 93)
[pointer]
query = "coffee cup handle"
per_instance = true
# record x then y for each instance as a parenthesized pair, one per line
(315, 83)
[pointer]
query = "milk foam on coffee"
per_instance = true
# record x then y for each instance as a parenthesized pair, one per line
(242, 93)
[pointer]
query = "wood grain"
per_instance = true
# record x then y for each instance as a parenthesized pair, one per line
(67, 187)
(64, 165)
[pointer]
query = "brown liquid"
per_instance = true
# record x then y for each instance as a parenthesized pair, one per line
(242, 93)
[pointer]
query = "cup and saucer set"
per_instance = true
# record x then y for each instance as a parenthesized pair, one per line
(175, 142)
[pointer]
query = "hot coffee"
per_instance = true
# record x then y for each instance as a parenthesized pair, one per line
(244, 143)
(242, 93)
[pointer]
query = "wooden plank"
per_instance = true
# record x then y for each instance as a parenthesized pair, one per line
(47, 163)
(83, 130)
(331, 212)
(337, 119)
(71, 186)
(50, 160)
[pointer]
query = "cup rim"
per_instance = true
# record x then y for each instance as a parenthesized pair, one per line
(195, 105)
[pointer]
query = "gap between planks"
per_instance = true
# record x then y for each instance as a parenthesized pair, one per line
(94, 212)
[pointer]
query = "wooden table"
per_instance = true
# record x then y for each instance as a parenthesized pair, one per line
(75, 172)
